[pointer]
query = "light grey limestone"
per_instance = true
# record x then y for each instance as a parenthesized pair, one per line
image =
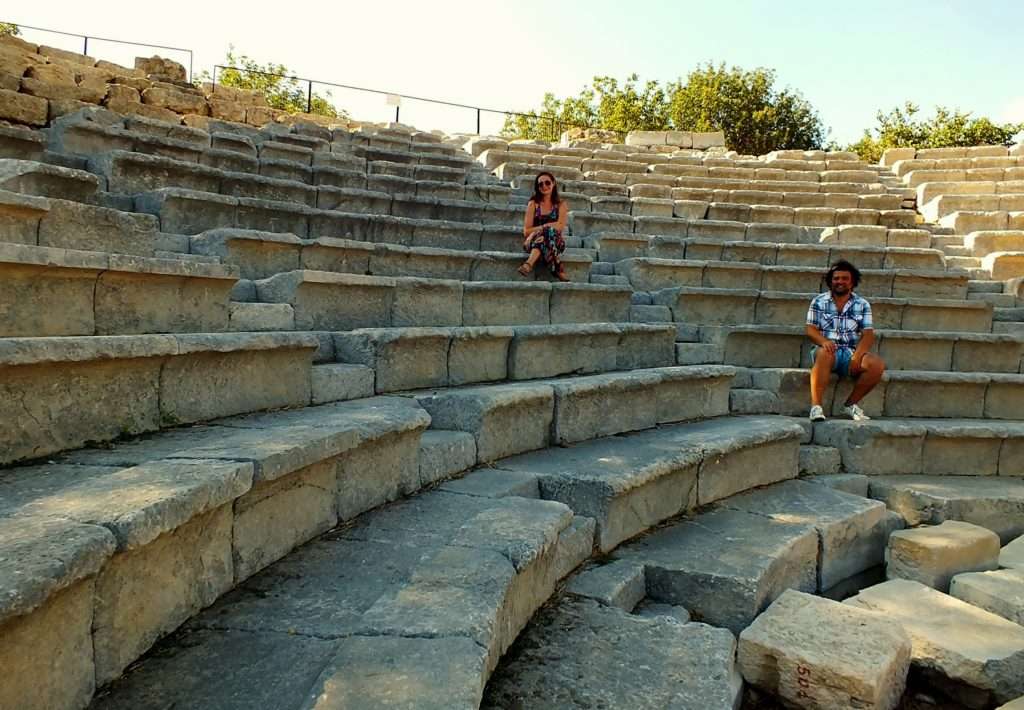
(999, 591)
(816, 653)
(933, 555)
(954, 642)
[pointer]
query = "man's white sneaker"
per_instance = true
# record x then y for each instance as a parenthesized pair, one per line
(855, 413)
(817, 413)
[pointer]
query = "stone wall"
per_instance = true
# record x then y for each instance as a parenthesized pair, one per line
(40, 83)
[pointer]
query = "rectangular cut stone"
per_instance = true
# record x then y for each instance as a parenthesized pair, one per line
(817, 653)
(934, 555)
(969, 648)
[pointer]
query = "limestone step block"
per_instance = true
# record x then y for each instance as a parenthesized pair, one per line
(146, 520)
(64, 292)
(329, 301)
(984, 242)
(1012, 554)
(339, 382)
(413, 358)
(879, 236)
(816, 653)
(44, 180)
(630, 484)
(974, 655)
(129, 172)
(486, 587)
(21, 144)
(615, 584)
(182, 211)
(940, 447)
(20, 216)
(1000, 592)
(120, 385)
(947, 204)
(725, 566)
(444, 454)
(933, 555)
(689, 665)
(928, 191)
(510, 170)
(549, 351)
(990, 502)
(504, 419)
(478, 144)
(852, 530)
(587, 223)
(1004, 265)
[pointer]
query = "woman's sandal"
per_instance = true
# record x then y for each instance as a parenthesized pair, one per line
(525, 269)
(561, 276)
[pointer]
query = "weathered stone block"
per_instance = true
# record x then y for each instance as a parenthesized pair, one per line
(933, 555)
(817, 653)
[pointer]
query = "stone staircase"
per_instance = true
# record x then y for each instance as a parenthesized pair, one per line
(281, 424)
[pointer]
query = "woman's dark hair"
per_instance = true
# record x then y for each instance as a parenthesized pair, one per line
(555, 199)
(843, 265)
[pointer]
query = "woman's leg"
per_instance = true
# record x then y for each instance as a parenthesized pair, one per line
(527, 267)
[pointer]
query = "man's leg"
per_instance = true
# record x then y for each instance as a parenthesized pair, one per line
(867, 375)
(821, 372)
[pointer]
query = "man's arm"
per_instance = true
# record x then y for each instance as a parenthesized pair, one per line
(818, 339)
(867, 339)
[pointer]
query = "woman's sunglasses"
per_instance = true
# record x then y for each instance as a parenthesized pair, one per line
(544, 183)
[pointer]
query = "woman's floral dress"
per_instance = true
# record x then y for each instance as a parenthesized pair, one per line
(549, 241)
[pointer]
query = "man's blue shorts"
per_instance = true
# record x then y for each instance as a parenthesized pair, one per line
(841, 365)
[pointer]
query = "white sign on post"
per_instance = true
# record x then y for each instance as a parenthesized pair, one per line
(394, 100)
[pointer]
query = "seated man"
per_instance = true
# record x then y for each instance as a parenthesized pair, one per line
(839, 323)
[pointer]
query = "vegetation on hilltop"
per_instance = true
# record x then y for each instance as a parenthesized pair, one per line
(756, 115)
(946, 129)
(274, 82)
(9, 29)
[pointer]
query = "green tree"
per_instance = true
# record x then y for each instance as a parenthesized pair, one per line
(272, 80)
(755, 116)
(901, 128)
(9, 29)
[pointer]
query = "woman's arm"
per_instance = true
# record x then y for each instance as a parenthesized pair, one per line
(563, 216)
(528, 220)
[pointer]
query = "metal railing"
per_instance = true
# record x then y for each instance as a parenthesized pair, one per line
(85, 42)
(557, 125)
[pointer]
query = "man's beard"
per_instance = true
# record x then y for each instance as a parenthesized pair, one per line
(839, 290)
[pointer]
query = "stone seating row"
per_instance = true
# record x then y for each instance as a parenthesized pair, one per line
(967, 221)
(892, 155)
(322, 300)
(726, 179)
(584, 224)
(946, 204)
(650, 274)
(969, 448)
(700, 306)
(902, 167)
(788, 346)
(928, 191)
(916, 178)
(901, 393)
(613, 246)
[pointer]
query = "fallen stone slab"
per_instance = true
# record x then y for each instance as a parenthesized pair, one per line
(993, 502)
(726, 566)
(852, 530)
(999, 591)
(816, 653)
(971, 653)
(582, 654)
(618, 583)
(932, 555)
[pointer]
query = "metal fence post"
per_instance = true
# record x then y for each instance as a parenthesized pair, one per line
(85, 45)
(478, 121)
(309, 99)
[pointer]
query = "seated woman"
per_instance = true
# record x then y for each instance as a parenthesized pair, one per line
(546, 214)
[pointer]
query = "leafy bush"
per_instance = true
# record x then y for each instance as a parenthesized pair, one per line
(755, 116)
(8, 29)
(946, 129)
(272, 80)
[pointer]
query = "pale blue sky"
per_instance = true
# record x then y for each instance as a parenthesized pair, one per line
(850, 59)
